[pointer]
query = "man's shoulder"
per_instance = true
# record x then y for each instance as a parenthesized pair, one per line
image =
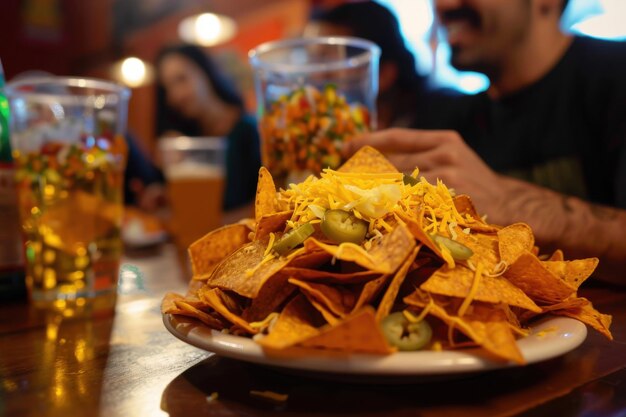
(598, 52)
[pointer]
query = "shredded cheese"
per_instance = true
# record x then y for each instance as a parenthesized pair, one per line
(270, 395)
(472, 292)
(270, 245)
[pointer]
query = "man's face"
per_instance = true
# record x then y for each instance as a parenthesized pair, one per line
(482, 32)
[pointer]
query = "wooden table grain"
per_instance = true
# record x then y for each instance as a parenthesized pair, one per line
(129, 365)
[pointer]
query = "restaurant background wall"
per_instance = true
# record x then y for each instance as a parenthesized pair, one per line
(78, 37)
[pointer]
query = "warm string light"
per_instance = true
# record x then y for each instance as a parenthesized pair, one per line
(207, 29)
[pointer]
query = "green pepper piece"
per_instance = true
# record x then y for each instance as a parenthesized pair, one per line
(404, 335)
(293, 238)
(341, 226)
(459, 251)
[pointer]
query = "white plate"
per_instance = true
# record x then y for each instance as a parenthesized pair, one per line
(549, 338)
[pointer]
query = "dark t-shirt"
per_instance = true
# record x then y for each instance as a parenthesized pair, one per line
(566, 132)
(243, 160)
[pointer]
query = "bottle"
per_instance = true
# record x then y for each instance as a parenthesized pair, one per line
(12, 277)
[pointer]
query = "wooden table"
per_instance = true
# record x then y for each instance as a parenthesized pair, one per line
(129, 365)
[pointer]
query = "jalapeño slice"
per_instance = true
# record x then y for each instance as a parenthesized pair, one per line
(458, 251)
(340, 226)
(405, 335)
(293, 238)
(409, 180)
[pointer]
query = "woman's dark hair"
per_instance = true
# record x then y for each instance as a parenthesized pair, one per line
(369, 20)
(168, 118)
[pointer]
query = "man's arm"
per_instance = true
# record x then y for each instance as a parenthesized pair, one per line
(579, 228)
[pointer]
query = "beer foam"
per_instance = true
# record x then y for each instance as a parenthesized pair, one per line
(192, 170)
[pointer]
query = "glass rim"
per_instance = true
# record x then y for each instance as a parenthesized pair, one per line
(370, 51)
(107, 88)
(192, 143)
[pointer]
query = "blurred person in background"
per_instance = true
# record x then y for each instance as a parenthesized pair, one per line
(546, 143)
(194, 98)
(402, 90)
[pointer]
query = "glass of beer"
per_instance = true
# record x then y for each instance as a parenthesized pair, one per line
(195, 169)
(70, 153)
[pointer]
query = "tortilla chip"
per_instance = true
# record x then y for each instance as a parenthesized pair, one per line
(272, 223)
(573, 272)
(337, 299)
(243, 273)
(271, 296)
(494, 332)
(465, 207)
(589, 315)
(568, 303)
(457, 282)
(310, 259)
(485, 248)
(394, 286)
(514, 240)
(414, 225)
(168, 304)
(314, 275)
(357, 333)
(298, 321)
(189, 310)
(369, 291)
(265, 202)
(368, 160)
(384, 257)
(484, 324)
(213, 297)
(208, 251)
(557, 256)
(323, 310)
(532, 277)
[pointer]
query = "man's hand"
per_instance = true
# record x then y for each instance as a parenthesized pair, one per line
(578, 227)
(440, 154)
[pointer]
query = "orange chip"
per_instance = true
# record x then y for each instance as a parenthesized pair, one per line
(494, 332)
(298, 321)
(368, 160)
(168, 305)
(307, 274)
(484, 246)
(557, 256)
(213, 298)
(337, 299)
(310, 259)
(589, 315)
(414, 225)
(573, 272)
(485, 325)
(384, 257)
(324, 311)
(243, 273)
(532, 277)
(514, 240)
(465, 207)
(187, 309)
(271, 223)
(208, 251)
(369, 292)
(457, 282)
(357, 333)
(394, 286)
(270, 297)
(265, 202)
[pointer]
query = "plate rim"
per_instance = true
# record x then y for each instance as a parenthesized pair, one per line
(568, 334)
